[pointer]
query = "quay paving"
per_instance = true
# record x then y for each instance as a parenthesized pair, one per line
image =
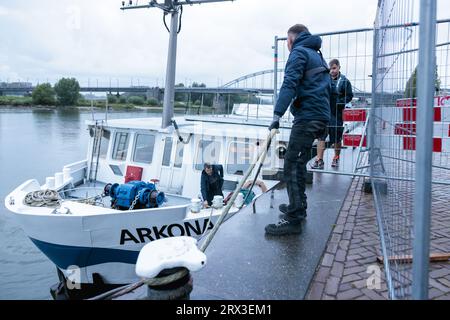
(328, 261)
(245, 264)
(354, 246)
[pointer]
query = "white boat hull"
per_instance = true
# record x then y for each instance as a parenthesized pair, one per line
(103, 241)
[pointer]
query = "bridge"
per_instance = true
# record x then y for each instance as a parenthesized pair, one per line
(220, 90)
(259, 85)
(21, 90)
(260, 82)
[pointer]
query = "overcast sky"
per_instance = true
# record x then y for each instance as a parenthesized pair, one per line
(48, 39)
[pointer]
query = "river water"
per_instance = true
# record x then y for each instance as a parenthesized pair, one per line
(34, 144)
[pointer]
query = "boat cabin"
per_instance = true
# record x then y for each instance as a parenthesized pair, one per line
(138, 149)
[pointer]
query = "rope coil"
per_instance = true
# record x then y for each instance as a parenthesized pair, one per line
(42, 198)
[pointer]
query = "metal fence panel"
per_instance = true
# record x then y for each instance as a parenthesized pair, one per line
(398, 136)
(383, 132)
(354, 50)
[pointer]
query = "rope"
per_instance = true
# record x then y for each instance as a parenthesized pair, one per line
(42, 198)
(222, 217)
(115, 293)
(156, 282)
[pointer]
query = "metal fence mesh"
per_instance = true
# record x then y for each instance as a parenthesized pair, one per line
(395, 64)
(385, 86)
(395, 133)
(354, 50)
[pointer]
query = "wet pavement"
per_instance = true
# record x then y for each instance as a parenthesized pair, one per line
(245, 264)
(347, 268)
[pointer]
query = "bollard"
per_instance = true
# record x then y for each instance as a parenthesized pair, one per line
(177, 290)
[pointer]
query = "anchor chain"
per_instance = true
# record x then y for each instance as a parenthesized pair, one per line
(135, 200)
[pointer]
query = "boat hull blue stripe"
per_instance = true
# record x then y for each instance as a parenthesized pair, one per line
(65, 256)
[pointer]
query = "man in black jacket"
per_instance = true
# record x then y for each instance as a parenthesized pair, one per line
(341, 95)
(211, 183)
(306, 80)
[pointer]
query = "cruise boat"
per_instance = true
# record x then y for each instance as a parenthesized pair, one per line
(140, 183)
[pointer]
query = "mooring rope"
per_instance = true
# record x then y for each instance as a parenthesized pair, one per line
(261, 157)
(42, 198)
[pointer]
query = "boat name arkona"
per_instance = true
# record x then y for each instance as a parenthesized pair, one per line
(143, 235)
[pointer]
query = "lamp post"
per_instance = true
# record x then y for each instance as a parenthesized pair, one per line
(174, 8)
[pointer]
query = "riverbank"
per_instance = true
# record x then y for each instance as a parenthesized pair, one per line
(12, 102)
(114, 107)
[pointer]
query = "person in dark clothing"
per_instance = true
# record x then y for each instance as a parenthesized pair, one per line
(341, 95)
(211, 183)
(307, 82)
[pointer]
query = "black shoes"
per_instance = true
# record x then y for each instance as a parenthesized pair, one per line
(284, 227)
(318, 165)
(284, 210)
(335, 163)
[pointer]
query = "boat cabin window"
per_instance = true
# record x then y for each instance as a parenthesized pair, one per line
(116, 170)
(143, 150)
(208, 151)
(179, 155)
(240, 157)
(104, 145)
(120, 149)
(167, 152)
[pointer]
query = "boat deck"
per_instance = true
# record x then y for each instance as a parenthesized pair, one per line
(245, 264)
(91, 189)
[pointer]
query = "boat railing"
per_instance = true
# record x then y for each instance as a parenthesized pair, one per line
(77, 171)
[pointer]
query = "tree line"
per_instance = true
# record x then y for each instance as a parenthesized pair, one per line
(66, 92)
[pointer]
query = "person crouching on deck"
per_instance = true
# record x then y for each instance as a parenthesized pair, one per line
(211, 183)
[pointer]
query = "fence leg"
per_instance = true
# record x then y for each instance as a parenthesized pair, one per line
(424, 156)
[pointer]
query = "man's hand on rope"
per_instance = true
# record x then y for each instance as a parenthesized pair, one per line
(275, 123)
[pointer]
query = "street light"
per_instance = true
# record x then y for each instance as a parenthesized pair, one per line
(174, 8)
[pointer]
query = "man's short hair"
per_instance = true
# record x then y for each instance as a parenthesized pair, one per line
(208, 165)
(297, 29)
(335, 62)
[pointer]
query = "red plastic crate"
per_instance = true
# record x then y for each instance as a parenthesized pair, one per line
(133, 174)
(354, 140)
(355, 115)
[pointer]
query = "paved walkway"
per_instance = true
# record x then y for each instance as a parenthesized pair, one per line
(245, 264)
(353, 248)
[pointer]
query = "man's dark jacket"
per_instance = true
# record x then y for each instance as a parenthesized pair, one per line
(341, 94)
(307, 80)
(208, 190)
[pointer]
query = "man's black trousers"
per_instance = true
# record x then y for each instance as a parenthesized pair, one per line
(298, 154)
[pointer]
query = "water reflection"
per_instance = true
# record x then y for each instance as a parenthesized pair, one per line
(68, 124)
